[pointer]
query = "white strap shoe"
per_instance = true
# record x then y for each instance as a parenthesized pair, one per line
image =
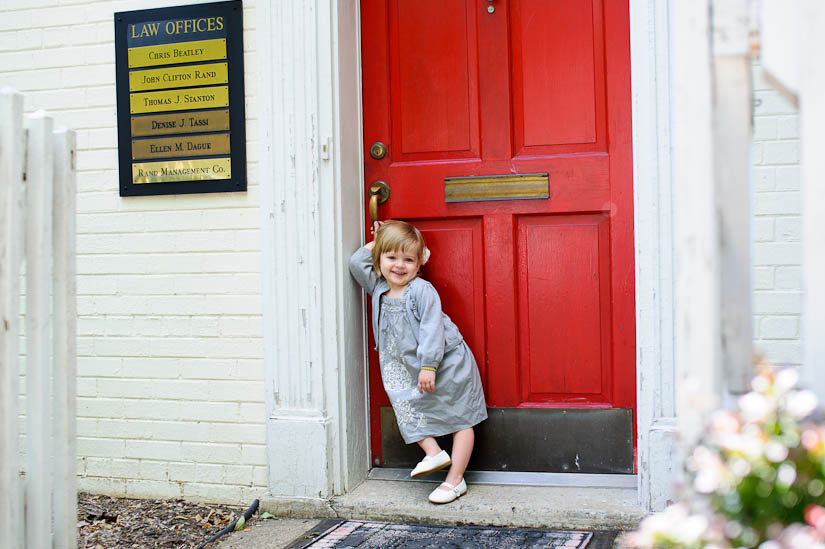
(431, 464)
(446, 496)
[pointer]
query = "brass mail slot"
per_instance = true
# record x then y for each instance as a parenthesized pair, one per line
(496, 187)
(196, 145)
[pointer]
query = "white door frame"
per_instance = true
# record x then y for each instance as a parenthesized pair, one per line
(309, 69)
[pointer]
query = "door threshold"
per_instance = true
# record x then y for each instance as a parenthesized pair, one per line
(516, 478)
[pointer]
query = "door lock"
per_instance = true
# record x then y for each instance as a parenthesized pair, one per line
(378, 150)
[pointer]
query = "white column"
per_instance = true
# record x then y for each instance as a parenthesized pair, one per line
(696, 231)
(732, 116)
(311, 221)
(652, 188)
(812, 160)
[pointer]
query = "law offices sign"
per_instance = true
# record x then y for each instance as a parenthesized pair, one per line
(180, 99)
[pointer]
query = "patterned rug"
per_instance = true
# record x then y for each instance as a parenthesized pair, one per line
(385, 535)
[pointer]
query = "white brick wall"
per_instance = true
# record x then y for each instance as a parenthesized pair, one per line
(776, 224)
(170, 388)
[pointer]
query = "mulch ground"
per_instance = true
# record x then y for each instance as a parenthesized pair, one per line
(105, 522)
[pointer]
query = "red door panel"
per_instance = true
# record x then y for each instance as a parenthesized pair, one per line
(434, 81)
(563, 313)
(558, 84)
(542, 289)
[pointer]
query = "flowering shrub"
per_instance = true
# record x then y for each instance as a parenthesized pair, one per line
(757, 477)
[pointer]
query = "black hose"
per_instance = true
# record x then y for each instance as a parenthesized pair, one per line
(246, 516)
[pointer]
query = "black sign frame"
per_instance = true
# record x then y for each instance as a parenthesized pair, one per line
(232, 13)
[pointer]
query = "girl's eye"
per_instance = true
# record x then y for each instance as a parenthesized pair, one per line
(409, 260)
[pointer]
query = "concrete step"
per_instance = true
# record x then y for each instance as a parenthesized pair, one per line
(557, 507)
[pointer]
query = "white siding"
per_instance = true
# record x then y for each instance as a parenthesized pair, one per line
(777, 253)
(170, 348)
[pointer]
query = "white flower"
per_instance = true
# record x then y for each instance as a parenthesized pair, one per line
(775, 451)
(690, 530)
(800, 404)
(760, 384)
(707, 481)
(798, 536)
(786, 379)
(740, 467)
(786, 474)
(724, 421)
(755, 407)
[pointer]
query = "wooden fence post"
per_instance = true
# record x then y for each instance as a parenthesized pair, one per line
(65, 344)
(39, 371)
(11, 255)
(37, 222)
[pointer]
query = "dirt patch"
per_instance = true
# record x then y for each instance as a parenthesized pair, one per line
(105, 522)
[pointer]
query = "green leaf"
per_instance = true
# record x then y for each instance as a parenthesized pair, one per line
(240, 524)
(267, 515)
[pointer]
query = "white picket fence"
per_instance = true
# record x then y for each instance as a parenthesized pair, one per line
(38, 509)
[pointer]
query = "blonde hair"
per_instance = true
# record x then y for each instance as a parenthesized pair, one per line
(397, 236)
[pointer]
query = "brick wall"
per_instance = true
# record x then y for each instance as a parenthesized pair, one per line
(170, 387)
(777, 254)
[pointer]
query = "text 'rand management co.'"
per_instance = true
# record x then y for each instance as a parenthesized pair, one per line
(181, 170)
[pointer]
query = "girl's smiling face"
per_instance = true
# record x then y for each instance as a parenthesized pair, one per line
(399, 267)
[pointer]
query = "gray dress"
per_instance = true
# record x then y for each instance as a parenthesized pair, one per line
(458, 400)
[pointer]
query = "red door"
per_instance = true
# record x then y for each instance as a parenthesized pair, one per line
(542, 289)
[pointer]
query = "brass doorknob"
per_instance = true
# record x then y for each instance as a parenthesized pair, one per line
(379, 193)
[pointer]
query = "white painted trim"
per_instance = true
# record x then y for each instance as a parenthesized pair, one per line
(653, 218)
(311, 202)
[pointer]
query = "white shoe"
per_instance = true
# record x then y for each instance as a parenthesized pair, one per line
(446, 496)
(431, 464)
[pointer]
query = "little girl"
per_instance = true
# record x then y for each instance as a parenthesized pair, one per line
(428, 370)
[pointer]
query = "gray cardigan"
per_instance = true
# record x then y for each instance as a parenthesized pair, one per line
(435, 333)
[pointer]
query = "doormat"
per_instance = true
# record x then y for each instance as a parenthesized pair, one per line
(386, 535)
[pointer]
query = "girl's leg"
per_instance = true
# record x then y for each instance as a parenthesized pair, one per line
(462, 449)
(430, 446)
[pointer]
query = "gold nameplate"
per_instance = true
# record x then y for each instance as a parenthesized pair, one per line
(496, 187)
(161, 124)
(179, 52)
(179, 77)
(181, 170)
(179, 100)
(196, 145)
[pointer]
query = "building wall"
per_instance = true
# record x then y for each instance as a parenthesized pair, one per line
(777, 252)
(170, 349)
